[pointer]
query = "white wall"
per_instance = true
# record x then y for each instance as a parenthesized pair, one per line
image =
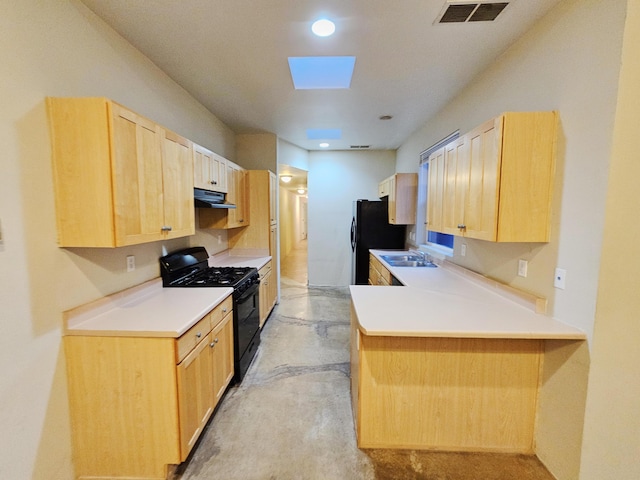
(292, 155)
(336, 180)
(612, 426)
(59, 48)
(555, 66)
(569, 62)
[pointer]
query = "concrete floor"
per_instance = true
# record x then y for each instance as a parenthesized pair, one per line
(291, 416)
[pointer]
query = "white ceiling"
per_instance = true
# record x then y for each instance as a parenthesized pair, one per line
(231, 55)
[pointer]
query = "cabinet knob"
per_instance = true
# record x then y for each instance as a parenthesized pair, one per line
(462, 226)
(166, 228)
(212, 344)
(215, 341)
(213, 182)
(224, 310)
(198, 335)
(241, 220)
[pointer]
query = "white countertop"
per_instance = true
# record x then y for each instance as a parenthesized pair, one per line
(438, 302)
(149, 310)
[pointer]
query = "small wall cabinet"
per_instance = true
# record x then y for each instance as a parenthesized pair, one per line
(495, 183)
(119, 178)
(401, 190)
(209, 170)
(237, 193)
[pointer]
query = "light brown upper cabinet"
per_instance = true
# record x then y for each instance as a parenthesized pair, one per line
(436, 190)
(401, 189)
(495, 183)
(119, 178)
(209, 170)
(236, 194)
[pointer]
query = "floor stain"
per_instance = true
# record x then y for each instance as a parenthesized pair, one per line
(282, 372)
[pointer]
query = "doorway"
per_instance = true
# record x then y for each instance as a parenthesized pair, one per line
(293, 196)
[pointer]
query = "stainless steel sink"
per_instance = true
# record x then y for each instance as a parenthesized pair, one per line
(401, 258)
(405, 260)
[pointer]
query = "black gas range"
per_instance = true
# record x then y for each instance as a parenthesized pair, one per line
(190, 268)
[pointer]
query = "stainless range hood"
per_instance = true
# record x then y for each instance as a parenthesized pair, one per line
(207, 199)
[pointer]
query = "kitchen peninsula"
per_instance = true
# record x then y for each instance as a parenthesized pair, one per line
(446, 363)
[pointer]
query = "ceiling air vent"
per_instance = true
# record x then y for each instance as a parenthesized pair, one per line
(461, 12)
(360, 147)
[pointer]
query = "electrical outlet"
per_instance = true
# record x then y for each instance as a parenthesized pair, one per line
(560, 278)
(522, 268)
(131, 263)
(463, 249)
(219, 239)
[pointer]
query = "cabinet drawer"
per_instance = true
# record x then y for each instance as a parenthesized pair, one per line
(265, 270)
(221, 311)
(190, 339)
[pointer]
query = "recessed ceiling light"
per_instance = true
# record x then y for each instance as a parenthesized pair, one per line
(323, 27)
(324, 145)
(286, 178)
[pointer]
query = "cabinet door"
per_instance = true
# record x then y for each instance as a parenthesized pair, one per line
(481, 207)
(272, 291)
(273, 196)
(202, 168)
(456, 182)
(264, 295)
(219, 173)
(393, 205)
(383, 188)
(436, 191)
(221, 348)
(137, 178)
(177, 168)
(235, 195)
(273, 244)
(195, 394)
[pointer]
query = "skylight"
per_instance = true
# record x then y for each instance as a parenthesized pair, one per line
(321, 72)
(324, 133)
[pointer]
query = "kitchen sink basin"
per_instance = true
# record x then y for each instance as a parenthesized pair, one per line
(407, 261)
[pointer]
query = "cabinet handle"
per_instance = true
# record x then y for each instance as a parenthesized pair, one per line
(241, 220)
(213, 182)
(198, 335)
(212, 344)
(215, 341)
(224, 310)
(166, 228)
(462, 226)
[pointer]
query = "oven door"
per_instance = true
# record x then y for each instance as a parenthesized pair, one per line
(246, 309)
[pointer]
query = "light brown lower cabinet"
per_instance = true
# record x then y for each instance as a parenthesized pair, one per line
(456, 394)
(138, 404)
(268, 291)
(378, 273)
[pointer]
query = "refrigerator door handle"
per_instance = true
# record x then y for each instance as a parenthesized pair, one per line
(353, 234)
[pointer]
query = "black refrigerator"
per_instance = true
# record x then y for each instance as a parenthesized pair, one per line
(370, 228)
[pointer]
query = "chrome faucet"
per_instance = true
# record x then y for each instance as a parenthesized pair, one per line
(419, 254)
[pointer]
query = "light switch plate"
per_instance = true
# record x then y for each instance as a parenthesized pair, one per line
(131, 263)
(560, 278)
(463, 249)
